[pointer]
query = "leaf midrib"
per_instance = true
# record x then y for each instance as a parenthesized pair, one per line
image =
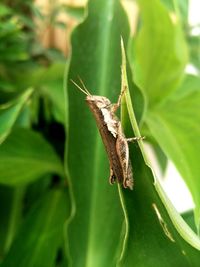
(103, 75)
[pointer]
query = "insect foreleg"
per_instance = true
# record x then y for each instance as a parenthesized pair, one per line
(117, 105)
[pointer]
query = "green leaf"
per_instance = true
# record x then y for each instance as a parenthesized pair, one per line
(189, 85)
(41, 234)
(181, 5)
(194, 47)
(188, 216)
(156, 235)
(172, 116)
(36, 189)
(39, 76)
(160, 53)
(7, 95)
(25, 156)
(4, 10)
(161, 157)
(9, 114)
(162, 62)
(10, 214)
(53, 88)
(184, 10)
(96, 58)
(175, 125)
(48, 82)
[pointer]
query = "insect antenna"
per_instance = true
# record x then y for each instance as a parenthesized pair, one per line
(83, 85)
(81, 89)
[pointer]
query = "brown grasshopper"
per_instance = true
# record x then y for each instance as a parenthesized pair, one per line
(114, 140)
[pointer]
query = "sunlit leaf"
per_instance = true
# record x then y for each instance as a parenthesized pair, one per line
(156, 235)
(172, 113)
(175, 125)
(160, 53)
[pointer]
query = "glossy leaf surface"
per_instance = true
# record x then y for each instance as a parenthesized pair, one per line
(96, 58)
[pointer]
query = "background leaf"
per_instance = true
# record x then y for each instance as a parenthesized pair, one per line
(10, 214)
(41, 233)
(175, 125)
(8, 115)
(26, 156)
(171, 110)
(160, 53)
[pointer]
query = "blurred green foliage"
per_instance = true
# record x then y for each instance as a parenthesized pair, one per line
(31, 136)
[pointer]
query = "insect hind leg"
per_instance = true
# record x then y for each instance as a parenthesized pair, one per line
(128, 182)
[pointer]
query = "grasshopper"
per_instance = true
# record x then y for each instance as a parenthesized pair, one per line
(115, 142)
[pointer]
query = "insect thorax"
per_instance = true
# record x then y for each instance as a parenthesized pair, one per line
(111, 121)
